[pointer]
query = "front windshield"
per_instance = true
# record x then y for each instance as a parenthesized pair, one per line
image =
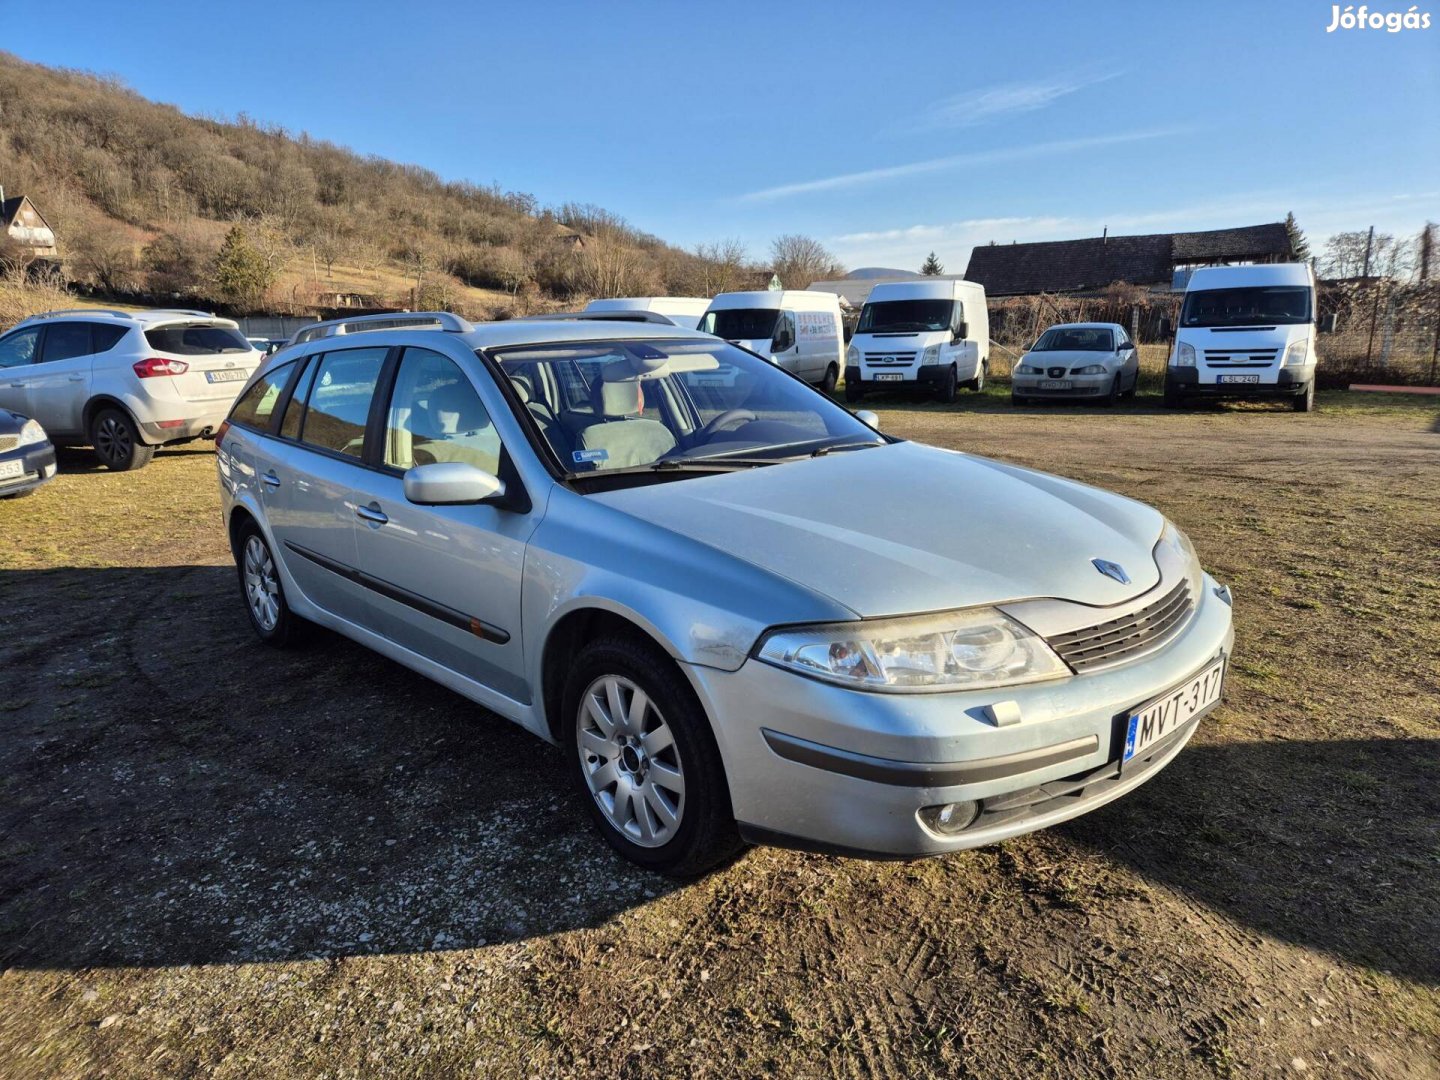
(1271, 305)
(603, 406)
(741, 324)
(902, 316)
(1075, 339)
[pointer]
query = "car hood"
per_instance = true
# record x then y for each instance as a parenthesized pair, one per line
(911, 528)
(1069, 358)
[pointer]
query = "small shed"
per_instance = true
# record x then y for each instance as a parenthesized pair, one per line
(24, 225)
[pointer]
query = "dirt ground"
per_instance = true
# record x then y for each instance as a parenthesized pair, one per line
(217, 859)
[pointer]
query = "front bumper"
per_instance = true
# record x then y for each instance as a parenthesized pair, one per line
(38, 462)
(1286, 382)
(782, 734)
(921, 376)
(1081, 386)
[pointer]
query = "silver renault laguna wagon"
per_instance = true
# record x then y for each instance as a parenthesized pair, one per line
(742, 611)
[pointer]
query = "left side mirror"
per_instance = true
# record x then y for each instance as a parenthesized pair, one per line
(962, 332)
(450, 483)
(865, 416)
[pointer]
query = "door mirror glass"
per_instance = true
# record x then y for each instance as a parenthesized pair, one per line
(450, 483)
(865, 416)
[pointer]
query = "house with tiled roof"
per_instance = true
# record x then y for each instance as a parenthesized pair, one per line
(1160, 262)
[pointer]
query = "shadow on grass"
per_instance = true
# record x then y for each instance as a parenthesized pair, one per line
(172, 792)
(81, 460)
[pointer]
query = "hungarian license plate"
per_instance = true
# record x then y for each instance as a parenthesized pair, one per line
(889, 376)
(1174, 709)
(9, 470)
(228, 375)
(1239, 378)
(1054, 384)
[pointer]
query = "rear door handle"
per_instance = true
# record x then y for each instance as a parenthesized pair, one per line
(77, 378)
(371, 515)
(18, 385)
(271, 479)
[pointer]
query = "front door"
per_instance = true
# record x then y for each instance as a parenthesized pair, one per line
(444, 580)
(59, 385)
(19, 357)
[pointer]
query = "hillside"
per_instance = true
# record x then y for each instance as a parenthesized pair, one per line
(143, 199)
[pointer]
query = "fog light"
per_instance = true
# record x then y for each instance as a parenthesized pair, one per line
(949, 818)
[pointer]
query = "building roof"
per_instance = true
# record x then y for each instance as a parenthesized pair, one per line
(9, 208)
(1077, 265)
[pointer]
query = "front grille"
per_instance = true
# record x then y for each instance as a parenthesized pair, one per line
(1129, 636)
(1055, 372)
(887, 359)
(1247, 357)
(8, 442)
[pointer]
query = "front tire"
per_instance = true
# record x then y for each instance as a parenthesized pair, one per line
(854, 391)
(645, 759)
(1173, 398)
(1113, 397)
(260, 588)
(1306, 401)
(117, 443)
(945, 392)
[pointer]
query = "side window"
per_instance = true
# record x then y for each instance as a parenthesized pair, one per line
(435, 415)
(257, 404)
(19, 348)
(784, 333)
(339, 402)
(105, 337)
(65, 340)
(294, 419)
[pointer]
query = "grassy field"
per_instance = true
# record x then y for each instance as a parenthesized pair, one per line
(220, 860)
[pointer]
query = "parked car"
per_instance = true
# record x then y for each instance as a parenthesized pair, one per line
(1246, 332)
(686, 311)
(266, 346)
(124, 383)
(928, 335)
(1095, 361)
(743, 612)
(27, 458)
(797, 330)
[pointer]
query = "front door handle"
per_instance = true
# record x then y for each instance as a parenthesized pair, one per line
(271, 480)
(77, 378)
(371, 515)
(18, 385)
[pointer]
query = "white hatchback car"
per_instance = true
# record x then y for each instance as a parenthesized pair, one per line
(125, 383)
(1078, 360)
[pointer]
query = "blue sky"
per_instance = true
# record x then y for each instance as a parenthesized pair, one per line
(883, 130)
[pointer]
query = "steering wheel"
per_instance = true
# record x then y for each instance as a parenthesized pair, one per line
(726, 418)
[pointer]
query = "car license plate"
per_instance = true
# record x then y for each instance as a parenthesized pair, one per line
(9, 470)
(889, 376)
(1240, 378)
(1054, 384)
(228, 375)
(1173, 710)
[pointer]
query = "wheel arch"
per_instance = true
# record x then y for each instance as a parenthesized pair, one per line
(106, 401)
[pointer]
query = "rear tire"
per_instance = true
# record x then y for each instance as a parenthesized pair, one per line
(262, 592)
(832, 376)
(616, 771)
(854, 391)
(1306, 401)
(117, 443)
(945, 392)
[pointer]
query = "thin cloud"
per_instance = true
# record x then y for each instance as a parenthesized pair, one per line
(978, 106)
(954, 161)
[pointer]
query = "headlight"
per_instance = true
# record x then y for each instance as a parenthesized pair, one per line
(1298, 354)
(1179, 544)
(1183, 356)
(954, 650)
(32, 433)
(931, 355)
(852, 355)
(1089, 369)
(1028, 369)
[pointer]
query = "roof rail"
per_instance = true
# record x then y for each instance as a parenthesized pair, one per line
(79, 311)
(399, 320)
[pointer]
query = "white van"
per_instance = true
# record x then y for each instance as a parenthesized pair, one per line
(924, 334)
(681, 310)
(1246, 332)
(795, 329)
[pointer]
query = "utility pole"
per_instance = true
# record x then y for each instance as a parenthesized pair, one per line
(1369, 244)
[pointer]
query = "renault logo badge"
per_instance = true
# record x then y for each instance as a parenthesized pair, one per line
(1111, 570)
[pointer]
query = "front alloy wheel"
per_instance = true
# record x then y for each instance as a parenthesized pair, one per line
(630, 761)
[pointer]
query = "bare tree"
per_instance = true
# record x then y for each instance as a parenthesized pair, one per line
(722, 265)
(801, 260)
(105, 254)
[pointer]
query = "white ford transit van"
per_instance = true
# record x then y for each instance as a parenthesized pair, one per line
(1246, 332)
(798, 330)
(681, 310)
(928, 335)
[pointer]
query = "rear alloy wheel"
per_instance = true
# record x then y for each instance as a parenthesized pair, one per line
(1305, 402)
(832, 376)
(264, 596)
(117, 443)
(948, 385)
(646, 760)
(977, 384)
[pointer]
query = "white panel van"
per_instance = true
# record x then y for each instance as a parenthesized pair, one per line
(1246, 332)
(681, 310)
(931, 335)
(795, 329)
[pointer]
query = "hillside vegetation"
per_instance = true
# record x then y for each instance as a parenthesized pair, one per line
(149, 202)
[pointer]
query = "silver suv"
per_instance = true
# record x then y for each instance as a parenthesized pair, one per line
(125, 383)
(742, 612)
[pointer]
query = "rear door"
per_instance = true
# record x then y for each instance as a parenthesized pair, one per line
(217, 358)
(19, 357)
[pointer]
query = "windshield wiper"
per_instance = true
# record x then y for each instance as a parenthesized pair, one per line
(821, 451)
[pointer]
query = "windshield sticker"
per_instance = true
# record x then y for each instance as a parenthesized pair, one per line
(580, 456)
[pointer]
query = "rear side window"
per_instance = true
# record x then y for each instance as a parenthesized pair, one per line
(103, 338)
(257, 404)
(196, 340)
(339, 404)
(294, 418)
(64, 340)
